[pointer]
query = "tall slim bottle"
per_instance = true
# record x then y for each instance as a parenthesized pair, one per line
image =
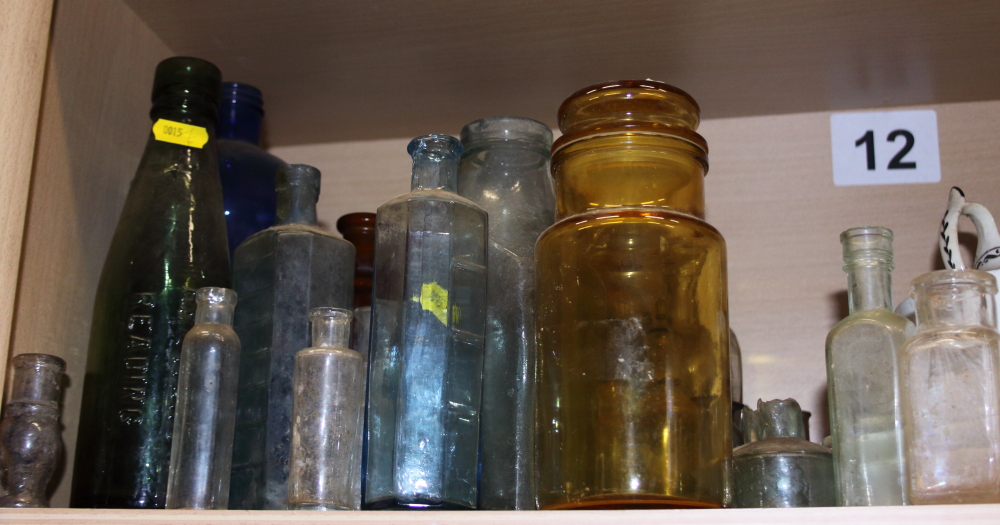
(169, 242)
(202, 449)
(426, 362)
(862, 353)
(280, 274)
(633, 339)
(247, 172)
(505, 169)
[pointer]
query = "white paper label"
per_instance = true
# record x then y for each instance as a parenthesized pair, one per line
(885, 147)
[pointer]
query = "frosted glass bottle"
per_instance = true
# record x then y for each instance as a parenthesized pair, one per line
(950, 390)
(202, 449)
(428, 317)
(280, 274)
(633, 339)
(505, 169)
(327, 418)
(862, 357)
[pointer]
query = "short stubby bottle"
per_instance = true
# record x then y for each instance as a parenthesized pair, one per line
(862, 353)
(170, 241)
(30, 439)
(428, 320)
(280, 274)
(202, 449)
(505, 169)
(633, 337)
(327, 417)
(247, 172)
(949, 385)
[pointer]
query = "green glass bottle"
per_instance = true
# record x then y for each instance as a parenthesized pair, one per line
(170, 241)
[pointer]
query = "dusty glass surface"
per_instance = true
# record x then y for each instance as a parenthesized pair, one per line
(505, 170)
(170, 241)
(633, 401)
(428, 323)
(280, 274)
(778, 467)
(327, 418)
(202, 448)
(950, 391)
(30, 440)
(861, 356)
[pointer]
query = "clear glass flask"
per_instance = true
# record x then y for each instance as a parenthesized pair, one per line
(950, 390)
(505, 169)
(202, 449)
(428, 317)
(862, 353)
(30, 440)
(327, 418)
(633, 401)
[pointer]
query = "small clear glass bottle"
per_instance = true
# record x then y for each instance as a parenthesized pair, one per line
(862, 357)
(778, 467)
(30, 441)
(505, 169)
(202, 448)
(950, 390)
(327, 418)
(428, 324)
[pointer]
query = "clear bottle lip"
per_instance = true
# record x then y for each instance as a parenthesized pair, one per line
(867, 245)
(329, 311)
(216, 296)
(435, 146)
(506, 129)
(948, 278)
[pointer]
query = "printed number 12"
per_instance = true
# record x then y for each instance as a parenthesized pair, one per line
(868, 139)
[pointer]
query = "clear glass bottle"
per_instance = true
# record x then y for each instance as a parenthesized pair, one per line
(327, 418)
(359, 230)
(247, 172)
(202, 449)
(170, 241)
(778, 467)
(505, 169)
(428, 321)
(281, 273)
(862, 353)
(950, 390)
(633, 394)
(30, 440)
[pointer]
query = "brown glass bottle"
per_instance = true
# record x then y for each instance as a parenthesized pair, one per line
(633, 359)
(359, 230)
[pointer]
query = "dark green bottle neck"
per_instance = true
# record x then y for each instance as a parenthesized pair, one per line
(188, 115)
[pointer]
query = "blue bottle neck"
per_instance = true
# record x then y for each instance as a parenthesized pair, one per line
(241, 109)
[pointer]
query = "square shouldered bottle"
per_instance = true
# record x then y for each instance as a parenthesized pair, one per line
(280, 274)
(862, 352)
(428, 323)
(633, 405)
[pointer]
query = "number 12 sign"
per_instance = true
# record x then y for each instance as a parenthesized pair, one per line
(885, 147)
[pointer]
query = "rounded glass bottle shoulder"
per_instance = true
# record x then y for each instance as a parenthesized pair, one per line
(429, 196)
(869, 320)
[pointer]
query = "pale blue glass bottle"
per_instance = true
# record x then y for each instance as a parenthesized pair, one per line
(429, 318)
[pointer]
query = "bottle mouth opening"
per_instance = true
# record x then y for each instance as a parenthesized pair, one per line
(506, 129)
(298, 175)
(216, 296)
(330, 312)
(945, 279)
(39, 361)
(435, 147)
(237, 93)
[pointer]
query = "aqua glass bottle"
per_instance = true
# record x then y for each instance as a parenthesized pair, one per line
(247, 172)
(862, 361)
(327, 417)
(428, 317)
(280, 274)
(202, 449)
(505, 169)
(170, 241)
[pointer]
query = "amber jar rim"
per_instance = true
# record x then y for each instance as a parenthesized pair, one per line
(701, 155)
(615, 84)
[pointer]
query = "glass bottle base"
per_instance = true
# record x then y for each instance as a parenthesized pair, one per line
(630, 501)
(413, 504)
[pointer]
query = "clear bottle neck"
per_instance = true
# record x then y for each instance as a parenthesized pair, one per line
(955, 298)
(868, 263)
(37, 378)
(435, 162)
(241, 110)
(331, 327)
(215, 306)
(297, 187)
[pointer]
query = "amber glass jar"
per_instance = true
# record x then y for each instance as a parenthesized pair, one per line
(633, 358)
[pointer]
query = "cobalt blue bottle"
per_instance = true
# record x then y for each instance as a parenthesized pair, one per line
(247, 172)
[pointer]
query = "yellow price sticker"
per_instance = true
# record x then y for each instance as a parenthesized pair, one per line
(180, 133)
(434, 299)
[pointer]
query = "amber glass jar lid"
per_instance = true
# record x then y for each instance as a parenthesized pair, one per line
(629, 107)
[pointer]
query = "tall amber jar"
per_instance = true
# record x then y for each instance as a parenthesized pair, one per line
(633, 357)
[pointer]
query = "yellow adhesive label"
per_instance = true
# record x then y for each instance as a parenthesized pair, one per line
(180, 133)
(434, 299)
